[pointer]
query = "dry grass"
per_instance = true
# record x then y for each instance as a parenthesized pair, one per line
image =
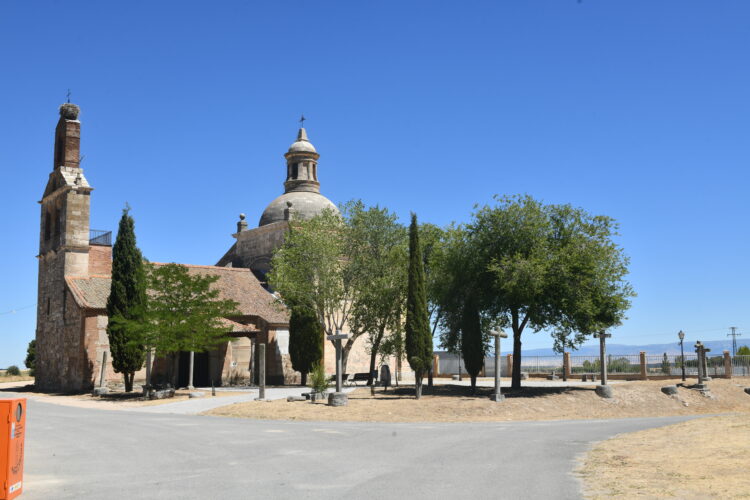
(23, 377)
(454, 404)
(700, 459)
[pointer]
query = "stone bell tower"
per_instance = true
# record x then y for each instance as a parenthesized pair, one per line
(63, 251)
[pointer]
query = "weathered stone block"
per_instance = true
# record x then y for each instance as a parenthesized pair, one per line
(100, 391)
(163, 394)
(605, 391)
(669, 390)
(497, 398)
(196, 394)
(338, 399)
(291, 399)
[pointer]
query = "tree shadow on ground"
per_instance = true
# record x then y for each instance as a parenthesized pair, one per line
(462, 391)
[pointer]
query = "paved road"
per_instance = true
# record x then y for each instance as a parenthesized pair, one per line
(83, 453)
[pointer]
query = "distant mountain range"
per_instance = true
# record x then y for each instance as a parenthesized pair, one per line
(716, 346)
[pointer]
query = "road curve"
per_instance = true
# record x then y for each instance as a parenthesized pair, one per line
(85, 453)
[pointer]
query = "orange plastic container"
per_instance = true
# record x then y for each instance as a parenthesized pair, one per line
(12, 433)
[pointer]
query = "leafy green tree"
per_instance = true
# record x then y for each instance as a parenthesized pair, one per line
(126, 298)
(183, 313)
(313, 269)
(377, 246)
(305, 340)
(548, 267)
(12, 370)
(30, 361)
(743, 351)
(349, 268)
(418, 338)
(433, 240)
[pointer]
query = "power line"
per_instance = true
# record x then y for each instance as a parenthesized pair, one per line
(734, 336)
(14, 311)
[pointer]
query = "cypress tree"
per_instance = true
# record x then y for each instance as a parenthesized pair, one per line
(126, 300)
(305, 340)
(472, 342)
(417, 328)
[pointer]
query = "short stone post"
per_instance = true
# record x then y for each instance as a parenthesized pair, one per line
(643, 366)
(436, 365)
(261, 371)
(338, 398)
(190, 372)
(509, 365)
(603, 390)
(498, 395)
(727, 365)
(701, 351)
(104, 368)
(566, 366)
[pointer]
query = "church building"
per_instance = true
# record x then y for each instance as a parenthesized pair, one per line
(75, 265)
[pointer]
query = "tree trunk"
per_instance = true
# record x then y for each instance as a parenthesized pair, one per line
(473, 384)
(374, 355)
(418, 384)
(429, 379)
(516, 380)
(128, 376)
(304, 379)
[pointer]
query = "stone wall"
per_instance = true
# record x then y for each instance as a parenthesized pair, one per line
(100, 260)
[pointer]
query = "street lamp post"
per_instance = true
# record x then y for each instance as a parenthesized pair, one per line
(681, 334)
(498, 334)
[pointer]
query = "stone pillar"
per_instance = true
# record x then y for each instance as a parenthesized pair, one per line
(566, 366)
(509, 365)
(643, 366)
(727, 365)
(436, 365)
(261, 371)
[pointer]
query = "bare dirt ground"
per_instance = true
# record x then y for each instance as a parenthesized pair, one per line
(112, 401)
(699, 459)
(450, 403)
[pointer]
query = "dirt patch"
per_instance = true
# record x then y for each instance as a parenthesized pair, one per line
(112, 401)
(451, 403)
(706, 458)
(6, 379)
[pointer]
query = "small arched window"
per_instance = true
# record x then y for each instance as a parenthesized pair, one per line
(295, 170)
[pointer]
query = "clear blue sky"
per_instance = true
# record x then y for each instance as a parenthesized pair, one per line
(639, 110)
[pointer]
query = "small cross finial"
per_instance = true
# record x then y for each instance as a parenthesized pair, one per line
(68, 95)
(302, 121)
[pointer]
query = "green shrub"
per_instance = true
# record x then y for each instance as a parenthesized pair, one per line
(12, 370)
(318, 379)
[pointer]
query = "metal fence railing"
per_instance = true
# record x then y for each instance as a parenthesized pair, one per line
(655, 365)
(542, 364)
(741, 366)
(99, 237)
(616, 363)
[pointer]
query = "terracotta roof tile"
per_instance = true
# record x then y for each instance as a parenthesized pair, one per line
(238, 284)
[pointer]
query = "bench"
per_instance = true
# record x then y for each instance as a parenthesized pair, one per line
(363, 377)
(344, 378)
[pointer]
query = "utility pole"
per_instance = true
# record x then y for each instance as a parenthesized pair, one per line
(734, 336)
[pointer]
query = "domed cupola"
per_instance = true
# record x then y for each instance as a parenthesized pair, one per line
(301, 189)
